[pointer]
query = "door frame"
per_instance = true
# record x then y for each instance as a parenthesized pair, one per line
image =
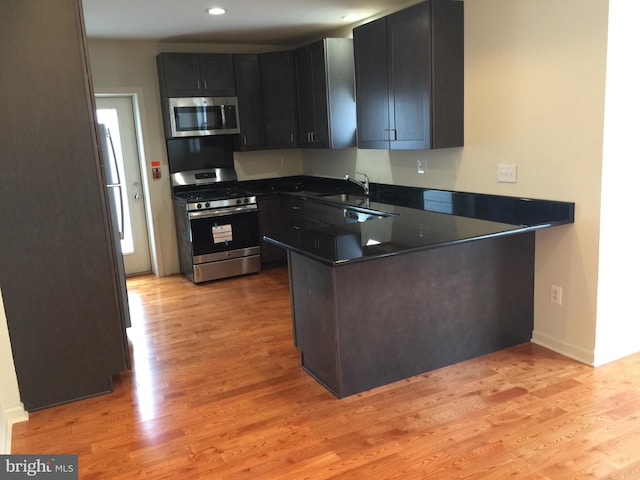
(135, 95)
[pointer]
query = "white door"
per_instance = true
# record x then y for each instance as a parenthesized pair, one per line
(117, 113)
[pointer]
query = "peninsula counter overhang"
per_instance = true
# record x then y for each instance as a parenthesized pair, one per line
(404, 221)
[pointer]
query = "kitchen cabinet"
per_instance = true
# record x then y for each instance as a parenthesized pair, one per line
(410, 78)
(196, 75)
(250, 109)
(365, 323)
(270, 221)
(319, 215)
(326, 97)
(294, 216)
(278, 83)
(60, 284)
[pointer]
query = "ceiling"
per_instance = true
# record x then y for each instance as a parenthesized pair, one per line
(275, 22)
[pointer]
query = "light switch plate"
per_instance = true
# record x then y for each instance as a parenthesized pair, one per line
(507, 173)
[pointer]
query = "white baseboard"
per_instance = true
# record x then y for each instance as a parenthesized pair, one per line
(568, 350)
(9, 418)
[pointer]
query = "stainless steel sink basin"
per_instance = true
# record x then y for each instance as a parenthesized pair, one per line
(358, 207)
(355, 216)
(350, 198)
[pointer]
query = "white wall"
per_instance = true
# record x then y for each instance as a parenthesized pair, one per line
(11, 408)
(618, 326)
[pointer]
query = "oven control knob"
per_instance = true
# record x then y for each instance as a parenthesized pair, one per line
(207, 205)
(238, 201)
(246, 200)
(199, 205)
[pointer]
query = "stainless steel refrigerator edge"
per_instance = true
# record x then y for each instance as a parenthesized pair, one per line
(115, 194)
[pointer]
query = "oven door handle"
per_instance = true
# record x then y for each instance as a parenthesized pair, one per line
(219, 212)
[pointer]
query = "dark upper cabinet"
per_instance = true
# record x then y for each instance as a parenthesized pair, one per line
(196, 75)
(410, 78)
(326, 98)
(250, 109)
(279, 99)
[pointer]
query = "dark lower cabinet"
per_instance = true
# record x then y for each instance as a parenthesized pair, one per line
(410, 78)
(360, 325)
(59, 274)
(271, 221)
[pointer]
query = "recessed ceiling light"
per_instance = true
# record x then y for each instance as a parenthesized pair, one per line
(351, 17)
(216, 11)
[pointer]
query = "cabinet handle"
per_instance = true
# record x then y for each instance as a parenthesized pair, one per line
(244, 139)
(204, 84)
(389, 135)
(197, 84)
(292, 138)
(295, 207)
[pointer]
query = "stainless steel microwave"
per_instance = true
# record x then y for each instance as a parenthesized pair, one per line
(200, 116)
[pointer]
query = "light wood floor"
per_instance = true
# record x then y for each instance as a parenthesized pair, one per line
(216, 392)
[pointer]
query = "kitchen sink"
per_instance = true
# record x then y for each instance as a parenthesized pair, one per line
(355, 216)
(350, 198)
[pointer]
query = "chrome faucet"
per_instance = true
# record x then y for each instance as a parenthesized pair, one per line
(364, 185)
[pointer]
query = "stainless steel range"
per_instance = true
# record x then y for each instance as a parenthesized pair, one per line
(216, 222)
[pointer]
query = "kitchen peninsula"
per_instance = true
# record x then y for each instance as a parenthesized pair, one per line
(412, 280)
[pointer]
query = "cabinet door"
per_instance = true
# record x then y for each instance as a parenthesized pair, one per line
(279, 99)
(409, 60)
(320, 215)
(271, 221)
(179, 75)
(319, 92)
(306, 119)
(293, 213)
(216, 75)
(312, 96)
(247, 74)
(372, 101)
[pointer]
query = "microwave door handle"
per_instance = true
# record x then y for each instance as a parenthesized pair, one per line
(223, 117)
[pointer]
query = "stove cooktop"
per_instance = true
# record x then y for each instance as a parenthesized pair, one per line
(211, 194)
(219, 197)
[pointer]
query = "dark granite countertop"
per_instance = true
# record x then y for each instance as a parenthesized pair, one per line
(406, 219)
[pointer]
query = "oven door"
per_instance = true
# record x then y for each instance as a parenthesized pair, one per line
(224, 233)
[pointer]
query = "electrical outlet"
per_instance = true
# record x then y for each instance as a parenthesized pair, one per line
(507, 173)
(422, 164)
(556, 294)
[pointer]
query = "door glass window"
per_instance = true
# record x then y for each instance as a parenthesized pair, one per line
(109, 117)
